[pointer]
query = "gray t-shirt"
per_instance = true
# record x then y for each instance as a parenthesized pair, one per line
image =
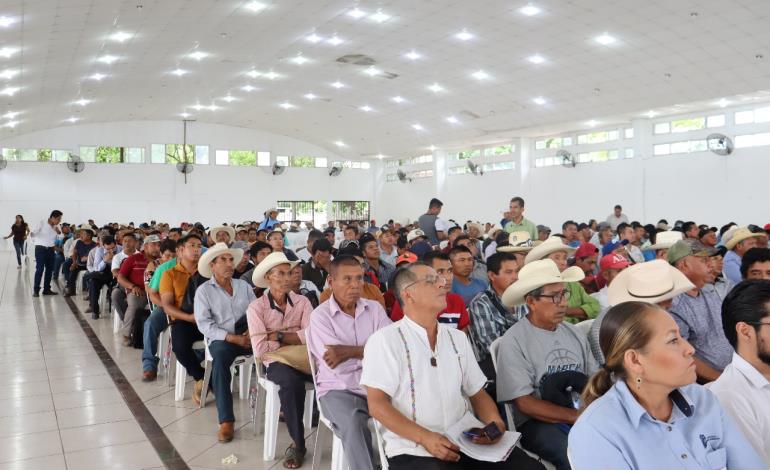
(527, 354)
(427, 223)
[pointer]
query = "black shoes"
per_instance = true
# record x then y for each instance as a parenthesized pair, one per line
(36, 294)
(50, 292)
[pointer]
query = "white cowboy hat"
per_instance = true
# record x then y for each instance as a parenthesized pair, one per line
(653, 282)
(204, 263)
(414, 234)
(224, 228)
(477, 226)
(495, 228)
(734, 236)
(518, 242)
(550, 245)
(664, 240)
(272, 209)
(88, 228)
(535, 275)
(272, 260)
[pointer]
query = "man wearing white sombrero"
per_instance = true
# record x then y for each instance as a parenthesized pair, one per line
(280, 318)
(539, 345)
(224, 234)
(737, 241)
(663, 241)
(220, 313)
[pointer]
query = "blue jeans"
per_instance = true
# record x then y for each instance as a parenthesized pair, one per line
(223, 355)
(19, 247)
(66, 269)
(546, 440)
(155, 324)
(43, 267)
(58, 261)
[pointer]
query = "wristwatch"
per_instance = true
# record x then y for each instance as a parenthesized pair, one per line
(280, 337)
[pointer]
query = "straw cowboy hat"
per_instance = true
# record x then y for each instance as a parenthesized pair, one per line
(272, 260)
(204, 263)
(664, 240)
(550, 245)
(535, 275)
(518, 242)
(653, 282)
(224, 228)
(734, 236)
(477, 226)
(495, 228)
(88, 228)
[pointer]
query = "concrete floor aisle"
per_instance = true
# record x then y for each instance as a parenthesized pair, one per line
(60, 407)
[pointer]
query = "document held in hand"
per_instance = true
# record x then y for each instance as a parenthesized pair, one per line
(496, 452)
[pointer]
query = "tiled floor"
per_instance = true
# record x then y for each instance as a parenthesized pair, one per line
(59, 408)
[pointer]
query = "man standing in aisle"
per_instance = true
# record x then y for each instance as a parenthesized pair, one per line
(516, 221)
(431, 225)
(45, 238)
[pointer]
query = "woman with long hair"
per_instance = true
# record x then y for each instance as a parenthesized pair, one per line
(19, 232)
(643, 409)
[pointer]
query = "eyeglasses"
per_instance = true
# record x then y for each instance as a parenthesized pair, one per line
(430, 279)
(558, 297)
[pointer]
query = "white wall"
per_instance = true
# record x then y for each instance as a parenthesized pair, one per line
(140, 192)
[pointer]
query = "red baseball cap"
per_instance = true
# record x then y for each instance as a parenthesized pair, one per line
(408, 257)
(767, 227)
(613, 261)
(586, 249)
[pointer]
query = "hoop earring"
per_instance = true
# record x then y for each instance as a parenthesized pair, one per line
(638, 383)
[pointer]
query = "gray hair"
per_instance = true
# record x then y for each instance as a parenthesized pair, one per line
(403, 278)
(535, 293)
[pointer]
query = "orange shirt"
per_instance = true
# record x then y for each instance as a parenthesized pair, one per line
(175, 281)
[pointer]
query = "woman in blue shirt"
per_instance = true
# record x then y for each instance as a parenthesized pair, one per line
(644, 410)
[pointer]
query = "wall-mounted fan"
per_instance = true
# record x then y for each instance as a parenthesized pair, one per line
(75, 164)
(278, 169)
(402, 176)
(335, 170)
(720, 144)
(185, 168)
(475, 168)
(567, 159)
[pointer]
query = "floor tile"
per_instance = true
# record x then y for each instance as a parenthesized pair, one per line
(101, 435)
(94, 414)
(27, 446)
(133, 456)
(28, 423)
(24, 389)
(76, 399)
(189, 445)
(88, 382)
(50, 462)
(25, 405)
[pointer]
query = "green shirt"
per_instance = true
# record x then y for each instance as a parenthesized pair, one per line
(524, 226)
(155, 281)
(580, 298)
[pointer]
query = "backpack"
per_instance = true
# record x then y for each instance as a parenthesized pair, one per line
(188, 301)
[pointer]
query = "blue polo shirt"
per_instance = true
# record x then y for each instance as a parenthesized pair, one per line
(616, 432)
(468, 292)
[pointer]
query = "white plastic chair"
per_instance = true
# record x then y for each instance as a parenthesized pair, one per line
(104, 299)
(244, 364)
(509, 410)
(117, 323)
(380, 444)
(79, 282)
(585, 326)
(339, 462)
(181, 374)
(273, 408)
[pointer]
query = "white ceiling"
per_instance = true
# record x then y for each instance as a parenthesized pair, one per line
(667, 52)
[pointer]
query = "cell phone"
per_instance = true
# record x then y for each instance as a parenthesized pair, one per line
(473, 432)
(492, 431)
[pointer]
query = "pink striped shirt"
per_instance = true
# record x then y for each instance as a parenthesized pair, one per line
(262, 317)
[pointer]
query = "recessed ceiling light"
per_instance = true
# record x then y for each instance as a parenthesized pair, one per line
(184, 115)
(372, 71)
(179, 72)
(73, 119)
(197, 55)
(436, 88)
(9, 91)
(97, 76)
(379, 17)
(432, 148)
(300, 59)
(592, 123)
(412, 55)
(605, 39)
(7, 52)
(198, 107)
(452, 120)
(380, 156)
(271, 75)
(722, 103)
(529, 10)
(338, 84)
(356, 13)
(255, 6)
(8, 74)
(464, 35)
(651, 114)
(539, 100)
(248, 88)
(10, 114)
(536, 59)
(366, 108)
(418, 127)
(229, 98)
(107, 59)
(82, 102)
(11, 124)
(310, 96)
(286, 105)
(480, 75)
(121, 36)
(6, 21)
(314, 38)
(398, 99)
(253, 73)
(340, 143)
(335, 40)
(213, 107)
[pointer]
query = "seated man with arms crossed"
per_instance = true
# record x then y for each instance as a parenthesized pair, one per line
(420, 377)
(338, 332)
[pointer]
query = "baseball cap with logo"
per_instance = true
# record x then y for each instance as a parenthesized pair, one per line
(585, 250)
(682, 249)
(613, 261)
(407, 257)
(612, 246)
(414, 234)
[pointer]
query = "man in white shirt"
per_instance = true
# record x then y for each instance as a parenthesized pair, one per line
(45, 239)
(420, 377)
(743, 389)
(617, 217)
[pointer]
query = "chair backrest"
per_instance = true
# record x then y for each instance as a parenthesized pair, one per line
(509, 415)
(493, 351)
(585, 326)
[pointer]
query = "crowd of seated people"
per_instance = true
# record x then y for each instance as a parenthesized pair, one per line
(576, 340)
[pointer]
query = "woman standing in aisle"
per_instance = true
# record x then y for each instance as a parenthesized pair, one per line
(19, 232)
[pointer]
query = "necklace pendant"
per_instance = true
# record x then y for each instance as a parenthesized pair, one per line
(433, 361)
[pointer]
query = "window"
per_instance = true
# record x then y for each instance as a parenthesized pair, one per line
(345, 211)
(686, 146)
(133, 155)
(391, 177)
(355, 165)
(500, 150)
(597, 156)
(628, 133)
(296, 211)
(222, 157)
(282, 160)
(417, 160)
(553, 143)
(752, 140)
(64, 155)
(466, 154)
(662, 128)
(321, 162)
(686, 125)
(243, 157)
(105, 154)
(420, 174)
(718, 120)
(201, 154)
(301, 161)
(263, 158)
(598, 137)
(629, 153)
(498, 166)
(758, 115)
(175, 153)
(459, 170)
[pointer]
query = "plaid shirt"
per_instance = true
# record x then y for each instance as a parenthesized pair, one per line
(490, 320)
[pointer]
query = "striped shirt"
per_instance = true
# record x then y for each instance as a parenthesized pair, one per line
(490, 320)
